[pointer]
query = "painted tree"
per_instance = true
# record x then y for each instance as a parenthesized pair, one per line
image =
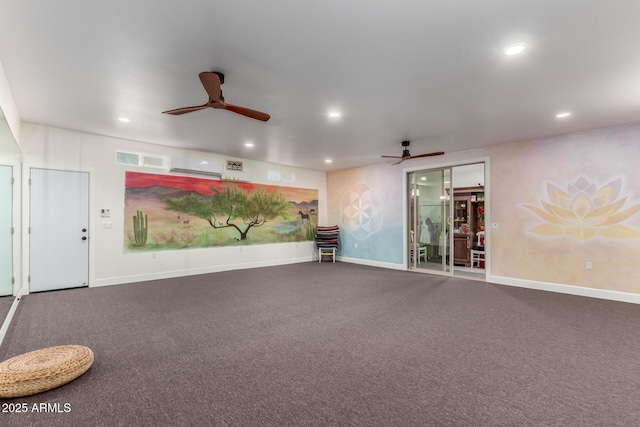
(231, 207)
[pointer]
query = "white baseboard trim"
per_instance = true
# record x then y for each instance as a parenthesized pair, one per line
(195, 271)
(567, 289)
(499, 280)
(372, 263)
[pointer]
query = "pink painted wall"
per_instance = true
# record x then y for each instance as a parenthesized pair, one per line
(563, 201)
(559, 202)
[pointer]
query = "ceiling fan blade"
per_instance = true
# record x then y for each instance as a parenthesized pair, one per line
(211, 83)
(402, 159)
(247, 112)
(393, 157)
(435, 153)
(184, 110)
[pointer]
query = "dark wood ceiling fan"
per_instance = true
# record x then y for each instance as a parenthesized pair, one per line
(406, 155)
(211, 81)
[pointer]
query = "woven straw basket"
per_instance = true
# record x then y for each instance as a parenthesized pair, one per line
(43, 369)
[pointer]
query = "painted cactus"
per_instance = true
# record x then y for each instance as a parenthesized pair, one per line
(140, 226)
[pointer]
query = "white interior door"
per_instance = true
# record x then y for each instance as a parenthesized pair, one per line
(59, 230)
(6, 233)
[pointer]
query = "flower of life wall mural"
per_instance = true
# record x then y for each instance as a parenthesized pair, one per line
(583, 211)
(361, 211)
(167, 212)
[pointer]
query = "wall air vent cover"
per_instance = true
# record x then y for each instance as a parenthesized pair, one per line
(144, 160)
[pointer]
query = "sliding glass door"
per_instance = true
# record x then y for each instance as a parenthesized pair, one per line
(429, 223)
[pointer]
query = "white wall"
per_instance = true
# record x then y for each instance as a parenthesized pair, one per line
(8, 106)
(54, 148)
(468, 175)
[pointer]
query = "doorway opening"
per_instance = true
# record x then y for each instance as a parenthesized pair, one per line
(446, 221)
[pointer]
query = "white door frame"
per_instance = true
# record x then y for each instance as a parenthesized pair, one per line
(25, 214)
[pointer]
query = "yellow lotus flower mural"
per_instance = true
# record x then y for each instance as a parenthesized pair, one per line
(584, 211)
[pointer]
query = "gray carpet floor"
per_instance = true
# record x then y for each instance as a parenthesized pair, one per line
(323, 344)
(5, 306)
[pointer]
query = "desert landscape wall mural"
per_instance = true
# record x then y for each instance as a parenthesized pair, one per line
(168, 212)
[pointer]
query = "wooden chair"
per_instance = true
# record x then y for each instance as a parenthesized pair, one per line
(327, 252)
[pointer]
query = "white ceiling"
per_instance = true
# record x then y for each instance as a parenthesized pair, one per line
(431, 71)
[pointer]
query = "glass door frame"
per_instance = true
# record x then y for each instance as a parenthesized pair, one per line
(412, 254)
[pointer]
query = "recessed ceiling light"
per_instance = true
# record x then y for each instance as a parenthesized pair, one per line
(424, 178)
(514, 49)
(563, 115)
(124, 119)
(328, 161)
(204, 162)
(334, 114)
(248, 144)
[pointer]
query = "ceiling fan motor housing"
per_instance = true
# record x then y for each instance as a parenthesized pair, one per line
(405, 152)
(220, 76)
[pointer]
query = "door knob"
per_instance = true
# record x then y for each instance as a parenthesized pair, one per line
(84, 237)
(84, 230)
